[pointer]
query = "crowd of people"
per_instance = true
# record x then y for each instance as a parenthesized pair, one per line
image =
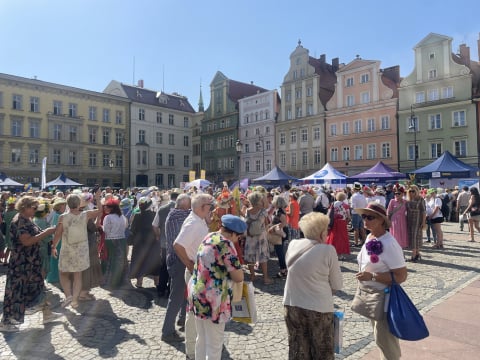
(196, 243)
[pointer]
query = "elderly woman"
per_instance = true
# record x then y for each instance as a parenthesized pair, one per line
(74, 258)
(416, 217)
(209, 290)
(313, 277)
(59, 206)
(380, 255)
(256, 245)
(338, 234)
(397, 213)
(279, 229)
(24, 287)
(435, 215)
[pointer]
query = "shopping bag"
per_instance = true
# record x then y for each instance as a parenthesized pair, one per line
(245, 310)
(404, 320)
(338, 331)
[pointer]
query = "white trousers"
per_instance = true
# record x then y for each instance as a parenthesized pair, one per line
(209, 340)
(190, 330)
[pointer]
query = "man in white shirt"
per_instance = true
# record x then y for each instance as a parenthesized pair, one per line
(462, 203)
(357, 201)
(194, 230)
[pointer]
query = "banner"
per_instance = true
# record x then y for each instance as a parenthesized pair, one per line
(44, 173)
(202, 174)
(191, 175)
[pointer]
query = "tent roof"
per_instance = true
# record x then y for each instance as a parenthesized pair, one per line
(380, 172)
(446, 166)
(6, 181)
(275, 176)
(326, 173)
(62, 180)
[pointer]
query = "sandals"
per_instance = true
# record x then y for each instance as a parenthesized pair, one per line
(67, 301)
(86, 297)
(74, 304)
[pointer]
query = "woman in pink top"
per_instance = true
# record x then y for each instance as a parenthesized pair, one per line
(397, 213)
(293, 216)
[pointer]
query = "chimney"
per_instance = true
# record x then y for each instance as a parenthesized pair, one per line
(323, 58)
(465, 54)
(335, 63)
(140, 84)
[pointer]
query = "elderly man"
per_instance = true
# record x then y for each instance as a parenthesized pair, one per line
(193, 231)
(306, 202)
(176, 269)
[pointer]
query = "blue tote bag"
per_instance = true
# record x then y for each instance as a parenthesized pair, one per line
(404, 320)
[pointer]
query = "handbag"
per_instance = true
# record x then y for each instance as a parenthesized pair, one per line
(275, 234)
(404, 320)
(369, 302)
(245, 310)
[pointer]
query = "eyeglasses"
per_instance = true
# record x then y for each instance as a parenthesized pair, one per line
(398, 193)
(368, 217)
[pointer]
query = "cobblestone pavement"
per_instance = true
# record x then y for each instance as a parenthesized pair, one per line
(125, 324)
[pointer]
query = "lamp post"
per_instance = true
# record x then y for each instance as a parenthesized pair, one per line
(238, 148)
(413, 126)
(261, 140)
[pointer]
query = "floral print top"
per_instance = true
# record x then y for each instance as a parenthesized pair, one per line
(209, 293)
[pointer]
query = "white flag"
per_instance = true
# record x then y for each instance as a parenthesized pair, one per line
(44, 173)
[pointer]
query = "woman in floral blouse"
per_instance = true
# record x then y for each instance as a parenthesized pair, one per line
(209, 291)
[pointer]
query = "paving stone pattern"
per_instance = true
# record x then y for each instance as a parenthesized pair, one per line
(126, 324)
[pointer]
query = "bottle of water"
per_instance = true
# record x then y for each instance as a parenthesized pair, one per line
(338, 331)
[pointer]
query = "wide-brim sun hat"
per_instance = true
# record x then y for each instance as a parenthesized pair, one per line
(374, 208)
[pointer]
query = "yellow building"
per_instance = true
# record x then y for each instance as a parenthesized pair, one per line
(83, 134)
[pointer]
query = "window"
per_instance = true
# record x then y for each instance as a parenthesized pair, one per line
(219, 143)
(92, 135)
(33, 156)
(57, 155)
(267, 130)
(385, 122)
(298, 93)
(432, 74)
(141, 114)
(57, 132)
(431, 56)
(316, 157)
(346, 128)
(257, 165)
(365, 97)
(258, 146)
(106, 115)
(34, 129)
(222, 124)
(358, 152)
(268, 165)
(159, 180)
(16, 127)
(293, 137)
(72, 110)
(92, 159)
(412, 152)
(316, 133)
(141, 136)
(371, 125)
(17, 102)
(459, 118)
(171, 160)
(118, 117)
(433, 95)
(304, 135)
(304, 158)
(170, 119)
(186, 140)
(288, 96)
(460, 148)
(346, 153)
(171, 139)
(309, 109)
(283, 159)
(289, 113)
(412, 124)
(247, 166)
(333, 129)
(186, 161)
(34, 104)
(119, 139)
(119, 160)
(282, 138)
(298, 111)
(72, 158)
(371, 151)
(386, 150)
(309, 91)
(435, 150)
(257, 131)
(333, 154)
(159, 138)
(447, 92)
(268, 145)
(419, 97)
(185, 122)
(16, 155)
(72, 134)
(349, 82)
(57, 108)
(293, 159)
(434, 122)
(92, 113)
(171, 180)
(350, 100)
(1, 99)
(364, 78)
(159, 117)
(357, 126)
(247, 147)
(106, 137)
(106, 160)
(159, 159)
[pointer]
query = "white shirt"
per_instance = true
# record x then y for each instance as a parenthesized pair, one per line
(191, 235)
(358, 201)
(114, 226)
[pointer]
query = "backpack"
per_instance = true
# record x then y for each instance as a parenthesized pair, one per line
(255, 224)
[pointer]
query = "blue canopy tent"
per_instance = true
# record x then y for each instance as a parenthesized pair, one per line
(275, 177)
(62, 181)
(327, 174)
(446, 166)
(379, 173)
(6, 181)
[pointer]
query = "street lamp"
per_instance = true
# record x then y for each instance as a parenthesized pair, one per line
(238, 148)
(260, 139)
(413, 126)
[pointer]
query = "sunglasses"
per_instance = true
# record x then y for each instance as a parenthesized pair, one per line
(411, 191)
(398, 193)
(368, 217)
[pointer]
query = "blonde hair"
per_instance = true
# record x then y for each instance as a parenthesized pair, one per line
(26, 202)
(255, 198)
(313, 225)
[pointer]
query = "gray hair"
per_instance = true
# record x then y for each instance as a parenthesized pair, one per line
(201, 199)
(183, 202)
(279, 202)
(73, 201)
(255, 198)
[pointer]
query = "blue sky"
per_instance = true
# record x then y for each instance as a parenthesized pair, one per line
(178, 45)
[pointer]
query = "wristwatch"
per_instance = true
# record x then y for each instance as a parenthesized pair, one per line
(374, 277)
